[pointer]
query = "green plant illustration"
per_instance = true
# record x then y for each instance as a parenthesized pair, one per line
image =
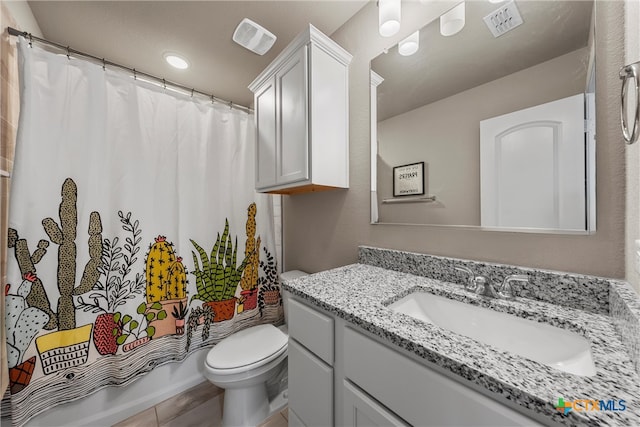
(217, 275)
(115, 286)
(129, 327)
(270, 282)
(204, 314)
(64, 235)
(180, 312)
(27, 264)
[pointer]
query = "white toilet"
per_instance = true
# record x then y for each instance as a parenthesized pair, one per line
(243, 363)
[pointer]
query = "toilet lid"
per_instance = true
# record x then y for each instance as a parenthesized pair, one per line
(247, 347)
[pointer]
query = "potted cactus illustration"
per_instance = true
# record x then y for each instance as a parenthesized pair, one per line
(116, 285)
(27, 264)
(180, 313)
(269, 283)
(218, 276)
(69, 346)
(131, 333)
(166, 279)
(249, 281)
(22, 324)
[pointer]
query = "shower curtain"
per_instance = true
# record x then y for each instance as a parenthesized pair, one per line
(135, 235)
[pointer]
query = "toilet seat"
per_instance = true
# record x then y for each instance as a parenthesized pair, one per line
(245, 350)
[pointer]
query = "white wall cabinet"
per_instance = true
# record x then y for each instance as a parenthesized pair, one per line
(301, 113)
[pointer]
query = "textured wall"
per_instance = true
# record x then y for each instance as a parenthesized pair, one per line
(323, 230)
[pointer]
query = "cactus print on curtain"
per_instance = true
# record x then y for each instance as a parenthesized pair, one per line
(135, 236)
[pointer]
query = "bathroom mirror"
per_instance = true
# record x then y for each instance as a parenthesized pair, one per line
(505, 125)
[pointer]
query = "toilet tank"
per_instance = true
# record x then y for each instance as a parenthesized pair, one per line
(284, 277)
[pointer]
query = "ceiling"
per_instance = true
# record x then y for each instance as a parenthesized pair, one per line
(137, 34)
(444, 66)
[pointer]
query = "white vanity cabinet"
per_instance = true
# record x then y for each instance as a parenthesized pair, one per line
(340, 375)
(301, 114)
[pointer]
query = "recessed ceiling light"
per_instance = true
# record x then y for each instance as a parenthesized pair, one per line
(176, 61)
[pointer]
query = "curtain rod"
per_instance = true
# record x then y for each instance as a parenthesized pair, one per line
(160, 81)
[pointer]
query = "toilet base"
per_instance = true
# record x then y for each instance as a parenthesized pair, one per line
(245, 406)
(250, 406)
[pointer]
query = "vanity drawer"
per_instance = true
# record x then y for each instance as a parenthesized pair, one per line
(312, 329)
(416, 393)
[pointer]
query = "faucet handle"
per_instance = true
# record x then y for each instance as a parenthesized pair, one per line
(506, 291)
(482, 285)
(471, 284)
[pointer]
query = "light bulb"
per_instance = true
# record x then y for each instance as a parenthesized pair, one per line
(388, 17)
(410, 45)
(453, 21)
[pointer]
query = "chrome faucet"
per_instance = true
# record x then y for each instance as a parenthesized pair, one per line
(505, 290)
(481, 285)
(484, 287)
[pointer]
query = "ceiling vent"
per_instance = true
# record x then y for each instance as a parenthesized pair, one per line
(503, 19)
(253, 36)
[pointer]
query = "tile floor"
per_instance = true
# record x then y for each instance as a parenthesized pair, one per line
(200, 406)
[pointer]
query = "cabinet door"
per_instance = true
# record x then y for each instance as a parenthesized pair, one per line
(265, 102)
(426, 397)
(310, 387)
(362, 411)
(293, 147)
(294, 420)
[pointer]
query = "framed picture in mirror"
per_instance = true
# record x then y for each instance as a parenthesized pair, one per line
(408, 180)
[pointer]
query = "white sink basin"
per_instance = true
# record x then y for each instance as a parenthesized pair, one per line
(559, 348)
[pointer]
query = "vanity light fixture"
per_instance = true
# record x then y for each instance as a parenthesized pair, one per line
(388, 17)
(410, 45)
(176, 61)
(453, 21)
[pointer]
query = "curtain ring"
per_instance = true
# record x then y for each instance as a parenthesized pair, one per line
(192, 92)
(135, 74)
(68, 54)
(212, 99)
(230, 105)
(104, 65)
(30, 40)
(164, 84)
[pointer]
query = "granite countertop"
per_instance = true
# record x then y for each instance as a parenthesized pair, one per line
(360, 293)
